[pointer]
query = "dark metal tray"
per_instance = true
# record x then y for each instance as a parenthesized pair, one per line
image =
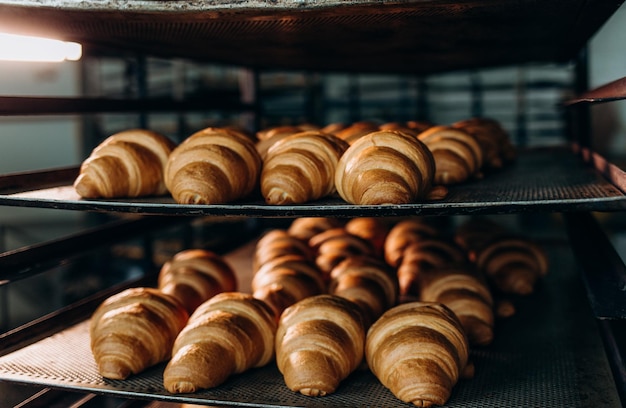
(543, 179)
(415, 36)
(549, 354)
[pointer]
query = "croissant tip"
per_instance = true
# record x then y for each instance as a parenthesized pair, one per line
(313, 392)
(114, 370)
(181, 387)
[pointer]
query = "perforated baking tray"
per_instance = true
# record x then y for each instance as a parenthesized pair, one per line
(542, 179)
(412, 36)
(547, 355)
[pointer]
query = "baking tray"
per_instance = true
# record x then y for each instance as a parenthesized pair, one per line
(549, 354)
(412, 36)
(550, 179)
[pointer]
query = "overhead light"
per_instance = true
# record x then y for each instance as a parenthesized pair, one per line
(36, 49)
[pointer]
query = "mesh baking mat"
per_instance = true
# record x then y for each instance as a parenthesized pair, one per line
(548, 355)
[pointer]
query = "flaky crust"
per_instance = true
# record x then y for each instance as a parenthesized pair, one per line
(228, 334)
(418, 350)
(130, 163)
(133, 330)
(213, 166)
(193, 276)
(385, 167)
(319, 342)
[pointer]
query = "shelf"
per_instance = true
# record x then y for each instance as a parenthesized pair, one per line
(551, 179)
(548, 354)
(417, 36)
(613, 91)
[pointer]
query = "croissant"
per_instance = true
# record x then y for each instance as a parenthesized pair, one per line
(213, 166)
(418, 350)
(423, 256)
(226, 335)
(133, 330)
(285, 280)
(333, 246)
(466, 295)
(403, 234)
(458, 156)
(276, 243)
(492, 138)
(385, 167)
(355, 131)
(306, 227)
(195, 275)
(301, 168)
(368, 282)
(513, 265)
(319, 342)
(127, 164)
(373, 229)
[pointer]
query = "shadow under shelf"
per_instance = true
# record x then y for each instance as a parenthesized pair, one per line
(544, 179)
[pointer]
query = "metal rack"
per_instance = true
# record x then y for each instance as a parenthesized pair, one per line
(569, 362)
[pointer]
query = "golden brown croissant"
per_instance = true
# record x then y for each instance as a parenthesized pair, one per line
(423, 256)
(368, 282)
(213, 166)
(355, 131)
(458, 156)
(334, 245)
(513, 265)
(193, 276)
(133, 330)
(403, 234)
(373, 229)
(319, 342)
(228, 334)
(466, 295)
(276, 243)
(306, 227)
(385, 167)
(127, 164)
(418, 350)
(493, 139)
(285, 280)
(301, 168)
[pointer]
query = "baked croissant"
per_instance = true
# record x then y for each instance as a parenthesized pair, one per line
(319, 342)
(228, 334)
(213, 166)
(423, 256)
(403, 234)
(373, 229)
(127, 164)
(368, 282)
(466, 295)
(301, 168)
(513, 264)
(306, 227)
(418, 351)
(285, 280)
(385, 167)
(134, 330)
(458, 156)
(333, 246)
(193, 276)
(276, 243)
(492, 138)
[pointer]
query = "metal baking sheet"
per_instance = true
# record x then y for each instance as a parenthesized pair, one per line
(415, 36)
(543, 179)
(549, 354)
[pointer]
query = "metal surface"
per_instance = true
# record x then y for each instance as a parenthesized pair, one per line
(542, 179)
(417, 36)
(612, 91)
(549, 354)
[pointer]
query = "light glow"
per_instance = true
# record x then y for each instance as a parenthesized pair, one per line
(36, 49)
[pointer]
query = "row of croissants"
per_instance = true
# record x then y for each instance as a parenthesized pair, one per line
(364, 163)
(328, 297)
